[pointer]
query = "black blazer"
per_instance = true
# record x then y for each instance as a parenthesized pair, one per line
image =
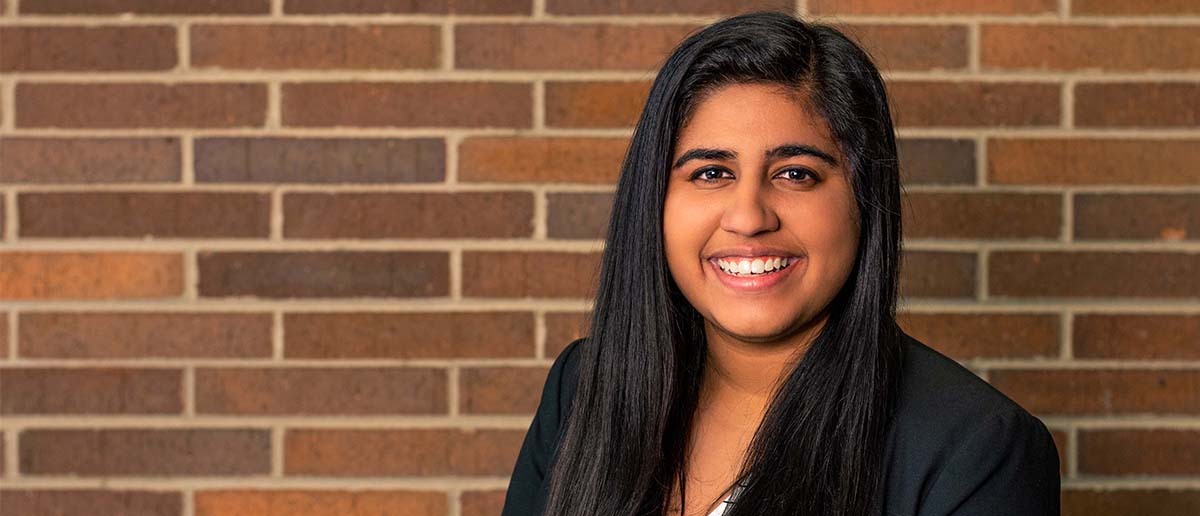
(957, 447)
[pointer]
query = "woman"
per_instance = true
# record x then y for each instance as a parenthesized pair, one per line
(743, 356)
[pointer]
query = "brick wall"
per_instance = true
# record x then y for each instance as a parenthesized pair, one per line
(314, 256)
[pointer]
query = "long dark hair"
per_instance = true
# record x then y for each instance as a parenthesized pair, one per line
(819, 449)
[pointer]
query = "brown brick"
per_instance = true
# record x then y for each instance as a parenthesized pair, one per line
(1101, 391)
(578, 215)
(4, 345)
(1065, 274)
(145, 214)
(536, 274)
(89, 160)
(1129, 452)
(1123, 502)
(65, 48)
(412, 7)
(1137, 336)
(911, 47)
(564, 327)
(1089, 161)
(982, 215)
(1137, 104)
(146, 452)
(965, 336)
(936, 161)
(1123, 8)
(297, 502)
(500, 390)
(91, 391)
(87, 335)
(974, 104)
(88, 502)
(1060, 442)
(538, 159)
(324, 274)
(320, 160)
(595, 104)
(1141, 216)
(931, 7)
(418, 452)
(408, 215)
(698, 7)
(575, 46)
(145, 6)
(275, 47)
(129, 105)
(941, 274)
(1084, 47)
(441, 335)
(415, 104)
(312, 391)
(90, 275)
(482, 503)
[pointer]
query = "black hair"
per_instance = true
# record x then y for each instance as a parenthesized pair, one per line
(819, 448)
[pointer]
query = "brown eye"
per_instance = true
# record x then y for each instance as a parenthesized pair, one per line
(708, 174)
(798, 174)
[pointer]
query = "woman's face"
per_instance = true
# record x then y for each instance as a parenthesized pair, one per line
(756, 181)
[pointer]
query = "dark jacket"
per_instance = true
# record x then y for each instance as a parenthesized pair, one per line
(957, 447)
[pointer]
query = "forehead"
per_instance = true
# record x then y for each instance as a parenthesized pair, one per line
(755, 116)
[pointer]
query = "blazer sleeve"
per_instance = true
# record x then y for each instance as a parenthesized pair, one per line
(526, 494)
(1008, 465)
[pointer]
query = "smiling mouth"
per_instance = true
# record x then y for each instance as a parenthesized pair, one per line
(754, 267)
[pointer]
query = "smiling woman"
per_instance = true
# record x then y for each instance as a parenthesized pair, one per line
(743, 356)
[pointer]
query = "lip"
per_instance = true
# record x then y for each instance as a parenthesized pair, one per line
(754, 284)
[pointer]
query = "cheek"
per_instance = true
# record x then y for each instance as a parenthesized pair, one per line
(685, 230)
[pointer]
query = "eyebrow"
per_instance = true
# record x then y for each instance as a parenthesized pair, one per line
(783, 151)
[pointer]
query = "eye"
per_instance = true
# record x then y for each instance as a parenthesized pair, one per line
(707, 174)
(797, 174)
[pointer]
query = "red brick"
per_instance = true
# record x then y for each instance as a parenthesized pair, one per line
(88, 335)
(89, 160)
(965, 336)
(575, 46)
(90, 275)
(65, 48)
(1131, 500)
(1060, 442)
(275, 47)
(541, 159)
(698, 7)
(1124, 8)
(1093, 161)
(138, 452)
(417, 452)
(974, 104)
(936, 161)
(439, 335)
(91, 391)
(578, 214)
(1088, 47)
(1130, 452)
(145, 6)
(320, 160)
(982, 215)
(1137, 336)
(931, 7)
(416, 104)
(89, 502)
(313, 391)
(564, 327)
(595, 104)
(408, 215)
(533, 274)
(482, 503)
(911, 47)
(130, 105)
(297, 502)
(144, 214)
(1137, 216)
(937, 274)
(1095, 274)
(324, 274)
(413, 6)
(4, 344)
(1101, 391)
(1137, 104)
(500, 390)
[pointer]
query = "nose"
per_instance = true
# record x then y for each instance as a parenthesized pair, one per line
(748, 212)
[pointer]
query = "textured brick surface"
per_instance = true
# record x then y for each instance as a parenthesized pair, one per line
(999, 335)
(145, 6)
(145, 215)
(1089, 47)
(417, 104)
(297, 502)
(144, 335)
(89, 160)
(323, 274)
(235, 47)
(500, 390)
(143, 452)
(1094, 274)
(408, 215)
(530, 274)
(90, 275)
(1093, 161)
(91, 391)
(85, 502)
(409, 335)
(1137, 217)
(130, 105)
(1138, 104)
(1102, 391)
(982, 215)
(1137, 336)
(903, 7)
(565, 47)
(38, 49)
(416, 452)
(314, 391)
(557, 160)
(413, 7)
(1139, 452)
(976, 104)
(320, 160)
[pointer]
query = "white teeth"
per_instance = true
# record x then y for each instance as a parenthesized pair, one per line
(746, 267)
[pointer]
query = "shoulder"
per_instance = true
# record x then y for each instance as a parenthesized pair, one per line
(561, 380)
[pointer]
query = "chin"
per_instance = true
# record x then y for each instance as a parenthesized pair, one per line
(756, 329)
